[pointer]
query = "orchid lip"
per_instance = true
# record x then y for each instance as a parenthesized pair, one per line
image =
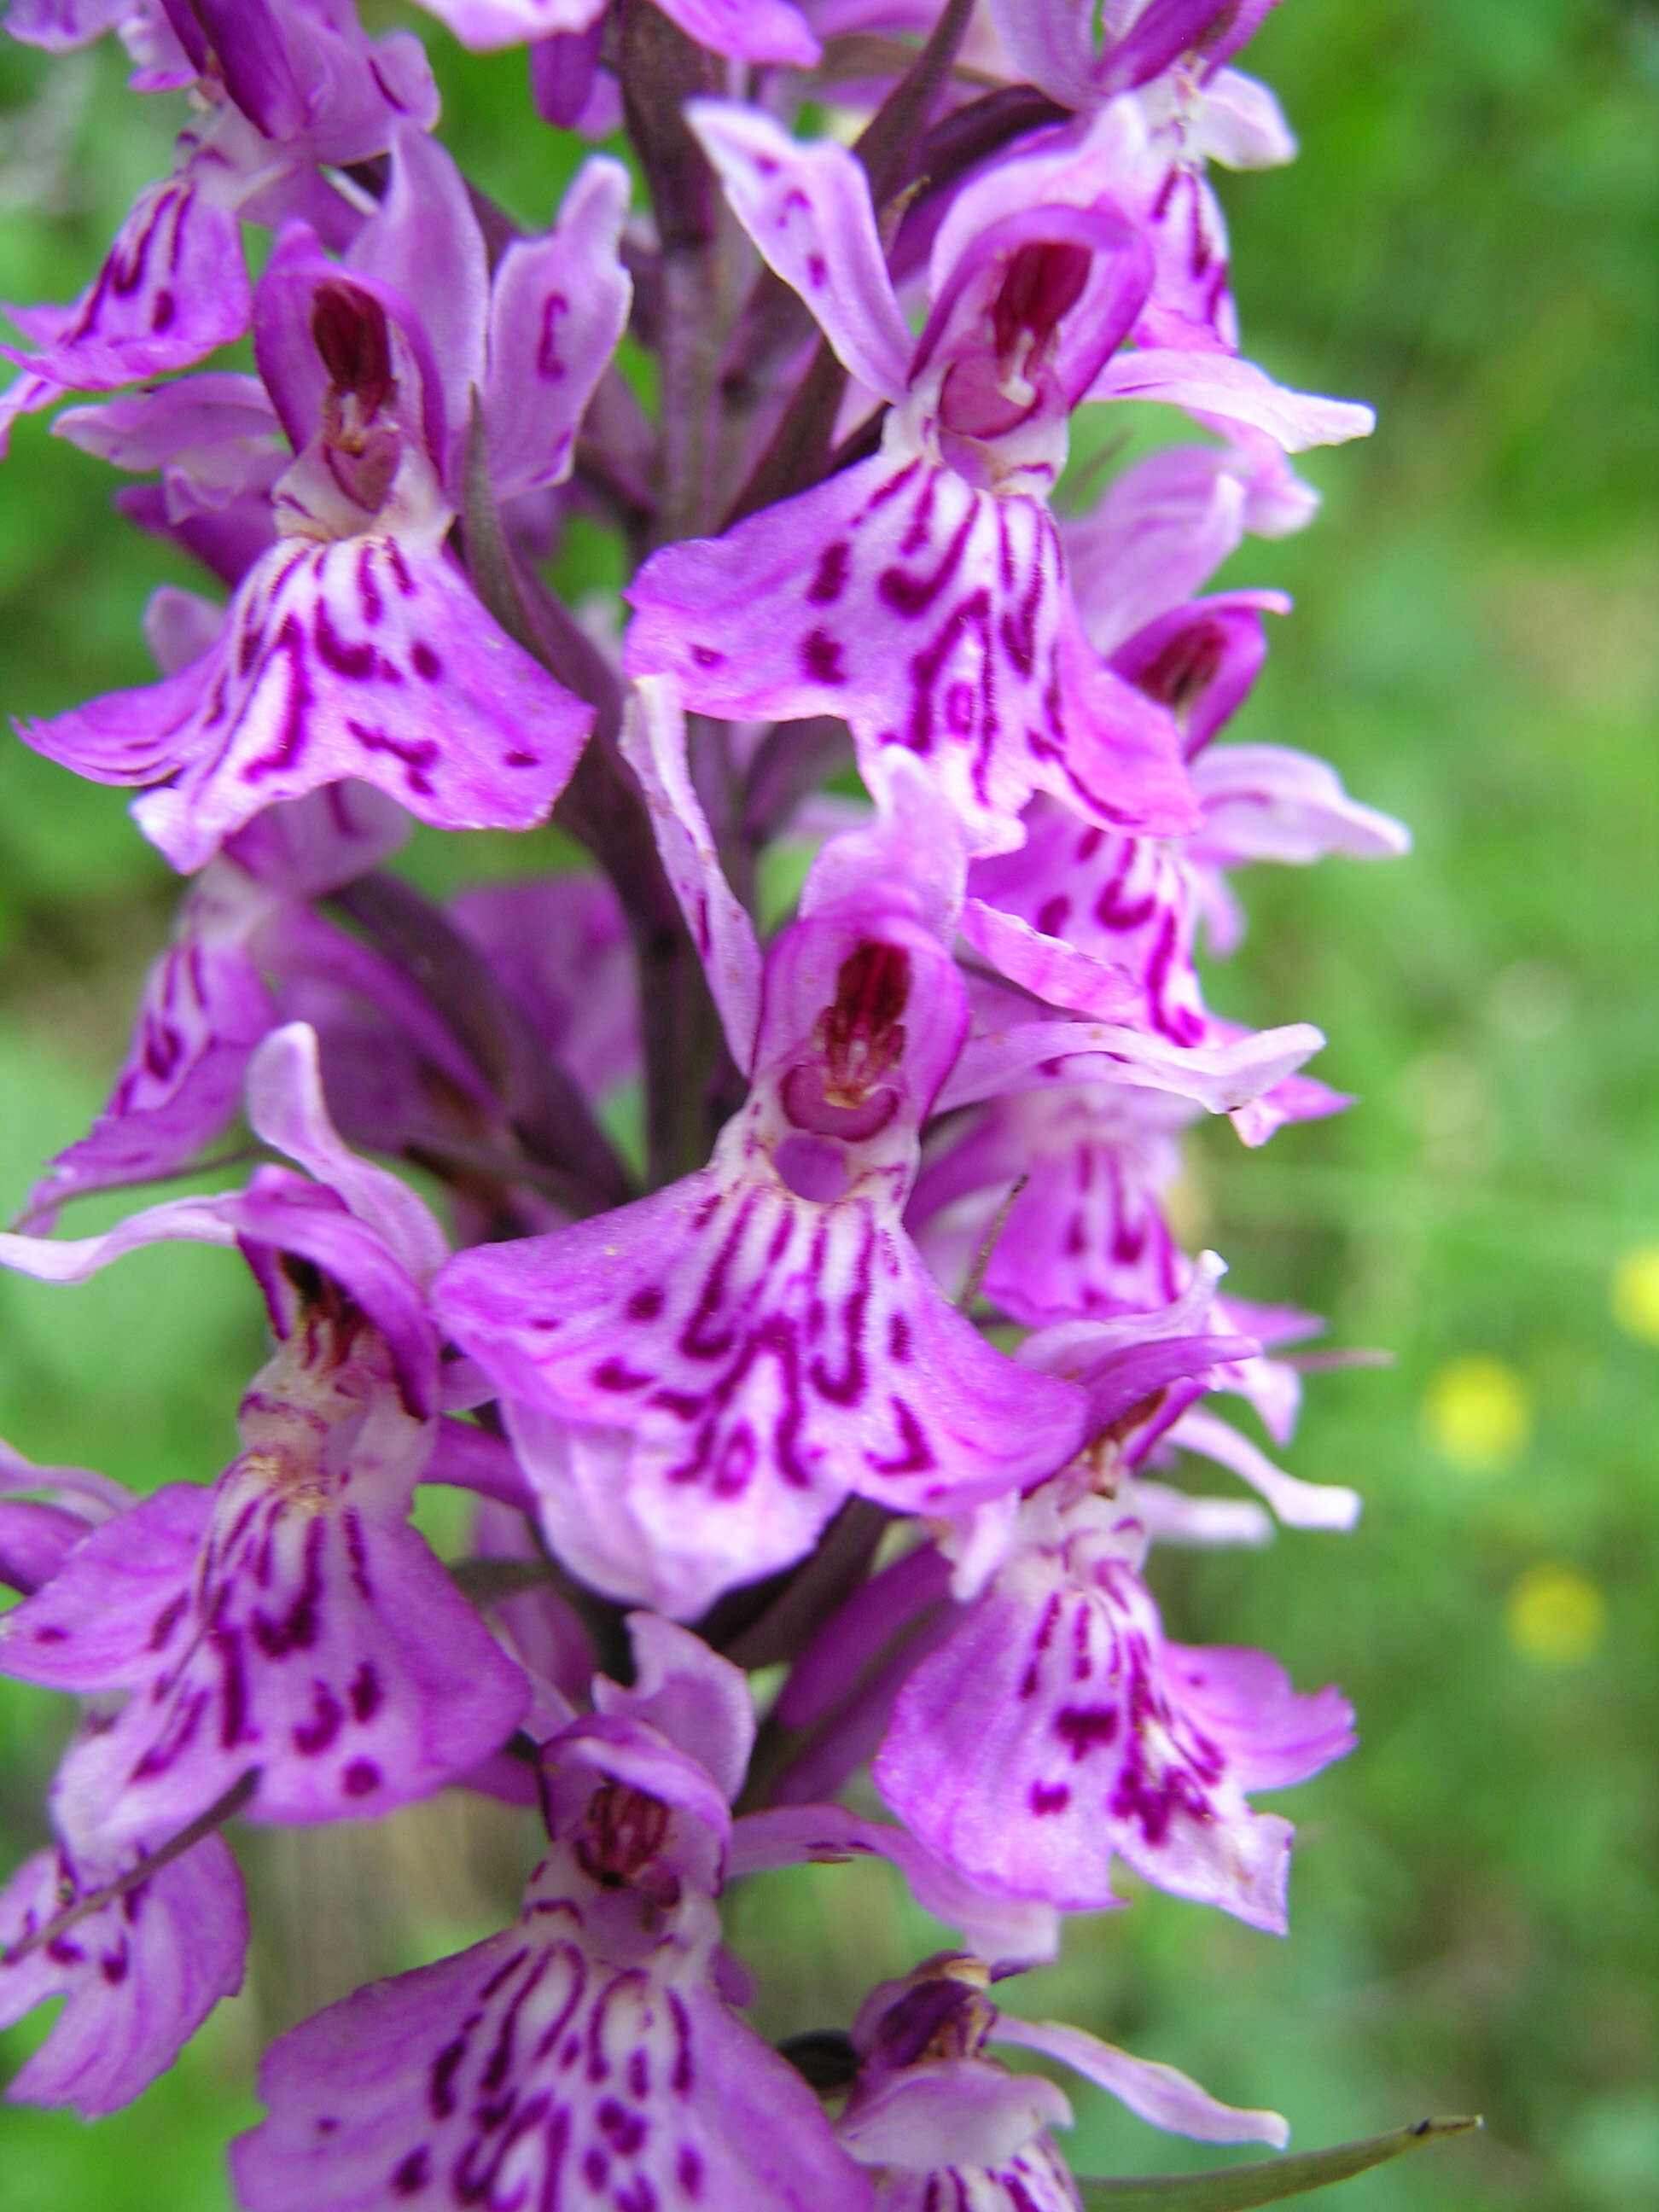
(811, 1103)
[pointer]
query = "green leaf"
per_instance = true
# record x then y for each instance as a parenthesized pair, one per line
(1237, 2188)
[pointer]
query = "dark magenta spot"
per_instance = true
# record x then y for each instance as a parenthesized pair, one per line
(829, 580)
(623, 2131)
(645, 1304)
(365, 1693)
(1045, 1799)
(1044, 280)
(1080, 1728)
(519, 758)
(595, 2167)
(706, 656)
(688, 2170)
(349, 328)
(425, 663)
(441, 2091)
(820, 658)
(412, 2175)
(360, 1778)
(617, 1375)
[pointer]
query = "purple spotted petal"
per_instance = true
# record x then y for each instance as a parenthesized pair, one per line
(579, 2058)
(958, 2128)
(318, 1641)
(1036, 2178)
(765, 1354)
(1244, 1699)
(99, 1624)
(1156, 537)
(1087, 1233)
(1050, 1732)
(806, 206)
(558, 307)
(1101, 923)
(204, 1009)
(930, 616)
(173, 287)
(369, 658)
(140, 1974)
(35, 1539)
(1158, 2094)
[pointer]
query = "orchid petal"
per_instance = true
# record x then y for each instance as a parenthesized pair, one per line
(464, 2075)
(173, 287)
(930, 615)
(1297, 1504)
(140, 1974)
(368, 658)
(1217, 386)
(766, 1353)
(558, 307)
(424, 242)
(1218, 1076)
(1268, 803)
(689, 1693)
(806, 207)
(286, 1109)
(1159, 2094)
(653, 745)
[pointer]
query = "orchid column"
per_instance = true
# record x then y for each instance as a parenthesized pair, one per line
(824, 1417)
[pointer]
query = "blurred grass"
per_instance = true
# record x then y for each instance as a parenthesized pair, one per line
(1468, 241)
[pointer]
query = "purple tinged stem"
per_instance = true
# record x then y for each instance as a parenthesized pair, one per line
(690, 1084)
(549, 1116)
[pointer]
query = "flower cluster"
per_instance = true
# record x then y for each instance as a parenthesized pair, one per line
(870, 1364)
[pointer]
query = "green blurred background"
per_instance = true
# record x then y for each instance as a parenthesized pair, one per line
(1469, 241)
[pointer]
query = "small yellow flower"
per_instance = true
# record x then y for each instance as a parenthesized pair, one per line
(1477, 1413)
(1556, 1614)
(1634, 1295)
